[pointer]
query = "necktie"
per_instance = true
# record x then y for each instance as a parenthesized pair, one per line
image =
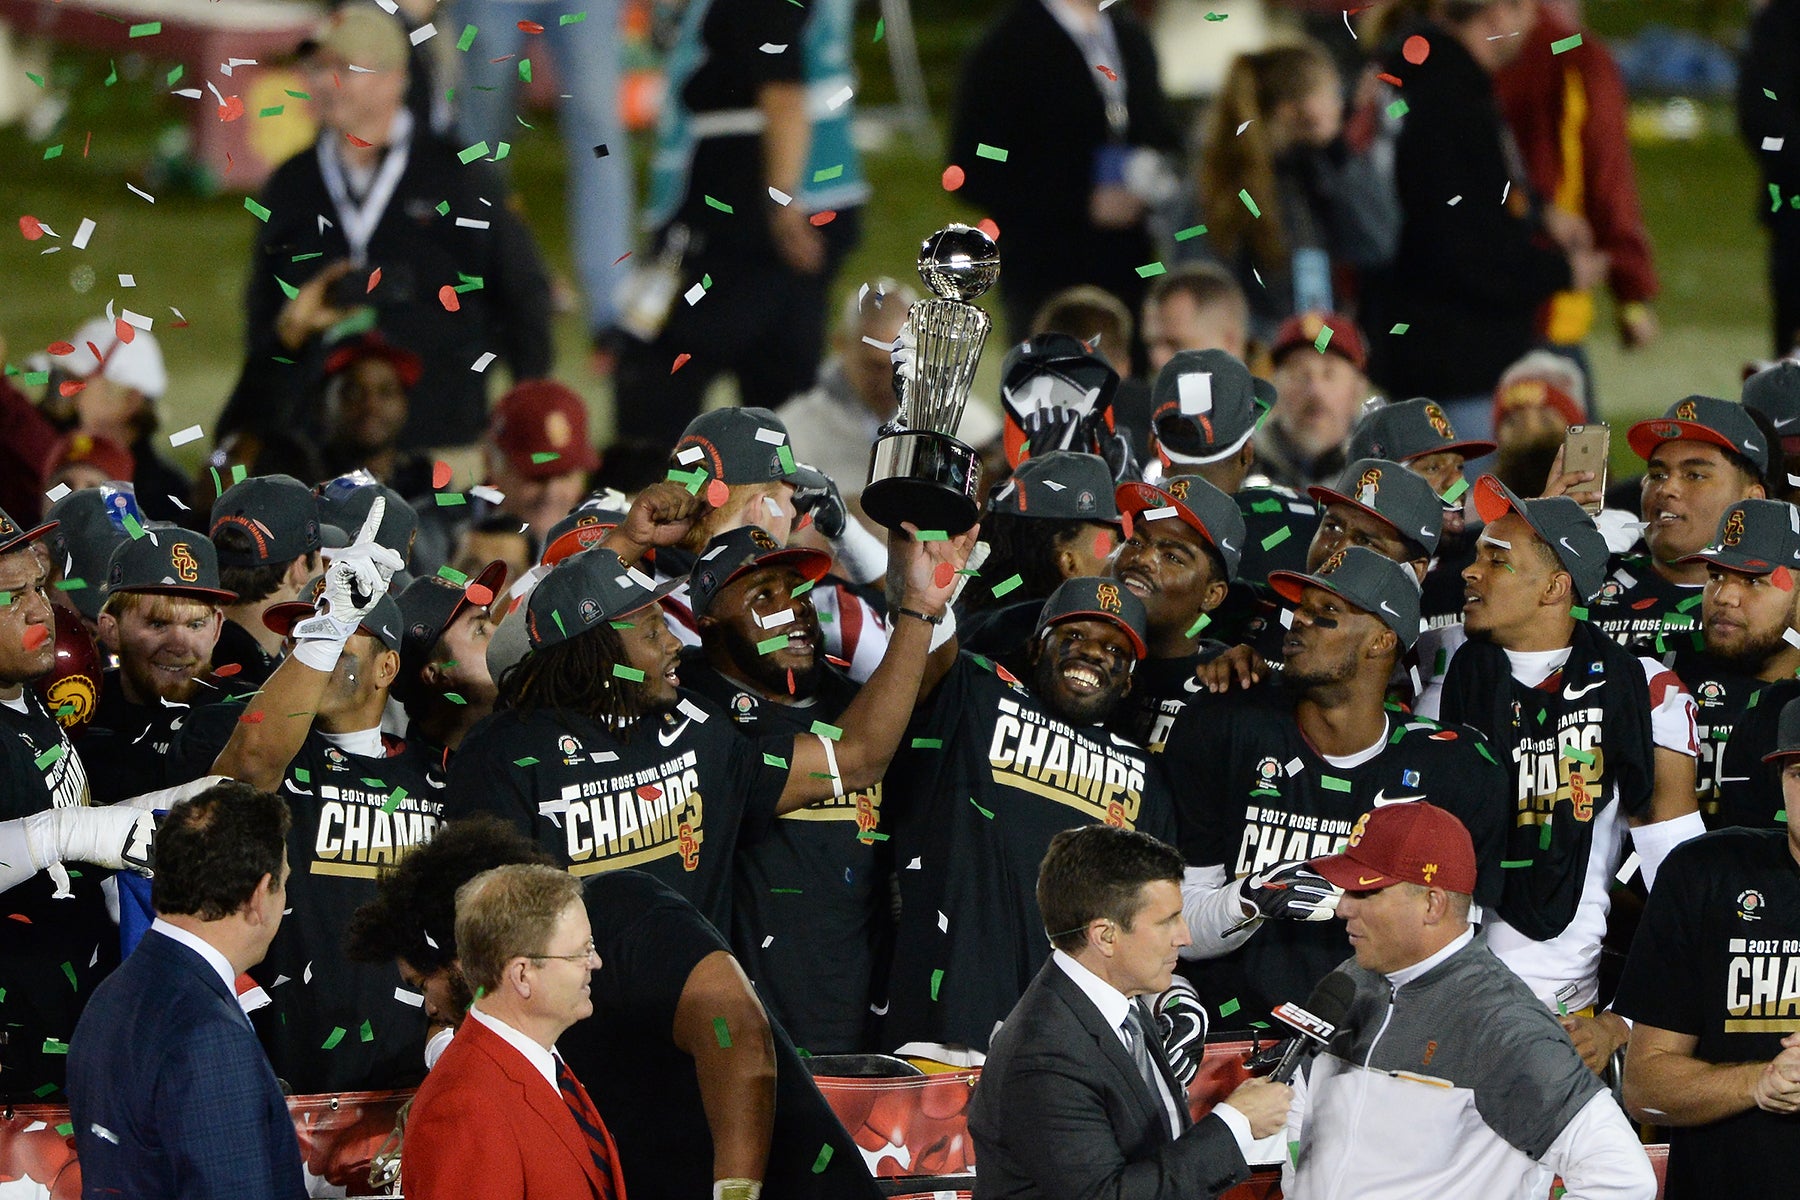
(589, 1122)
(1135, 1039)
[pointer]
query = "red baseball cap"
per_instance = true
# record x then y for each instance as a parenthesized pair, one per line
(1304, 330)
(408, 366)
(542, 428)
(1408, 842)
(100, 452)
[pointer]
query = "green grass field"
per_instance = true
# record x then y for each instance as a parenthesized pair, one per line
(189, 252)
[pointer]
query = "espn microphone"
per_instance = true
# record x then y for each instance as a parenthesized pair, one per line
(1325, 1010)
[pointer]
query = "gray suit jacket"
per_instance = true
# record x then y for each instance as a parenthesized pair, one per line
(1061, 1113)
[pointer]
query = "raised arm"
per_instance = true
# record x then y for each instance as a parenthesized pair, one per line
(721, 1025)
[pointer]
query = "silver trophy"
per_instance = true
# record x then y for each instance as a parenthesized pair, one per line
(919, 471)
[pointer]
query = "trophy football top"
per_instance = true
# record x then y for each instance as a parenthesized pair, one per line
(959, 262)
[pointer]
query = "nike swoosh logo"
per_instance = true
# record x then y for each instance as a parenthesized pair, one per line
(1388, 608)
(1366, 880)
(1569, 692)
(1382, 799)
(1425, 531)
(1569, 548)
(667, 736)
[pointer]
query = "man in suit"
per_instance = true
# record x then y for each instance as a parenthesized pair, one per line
(1076, 1099)
(170, 1092)
(501, 1106)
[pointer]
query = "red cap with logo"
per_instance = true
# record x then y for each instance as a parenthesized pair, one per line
(1407, 842)
(542, 428)
(1305, 329)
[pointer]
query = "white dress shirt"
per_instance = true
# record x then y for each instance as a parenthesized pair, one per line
(199, 945)
(534, 1052)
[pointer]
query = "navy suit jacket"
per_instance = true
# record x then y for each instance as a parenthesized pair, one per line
(1061, 1111)
(171, 1093)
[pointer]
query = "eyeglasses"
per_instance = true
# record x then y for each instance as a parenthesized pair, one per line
(587, 955)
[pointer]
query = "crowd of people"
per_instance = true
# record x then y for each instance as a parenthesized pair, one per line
(591, 798)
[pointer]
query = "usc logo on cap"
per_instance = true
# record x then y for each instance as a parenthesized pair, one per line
(1356, 834)
(1178, 488)
(1734, 528)
(1107, 596)
(1369, 486)
(761, 540)
(187, 568)
(1332, 563)
(1685, 410)
(1439, 421)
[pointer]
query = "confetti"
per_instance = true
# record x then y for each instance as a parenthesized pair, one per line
(147, 29)
(1200, 623)
(1399, 329)
(52, 1046)
(525, 762)
(1415, 49)
(1564, 45)
(983, 150)
(1007, 585)
(723, 1033)
(334, 1037)
(828, 732)
(1513, 864)
(448, 298)
(1323, 340)
(1150, 269)
(1244, 195)
(469, 154)
(937, 981)
(942, 575)
(771, 645)
(50, 756)
(1192, 231)
(1397, 109)
(625, 672)
(988, 813)
(1456, 493)
(1230, 1006)
(824, 1159)
(681, 360)
(720, 205)
(1279, 536)
(1332, 783)
(881, 28)
(954, 177)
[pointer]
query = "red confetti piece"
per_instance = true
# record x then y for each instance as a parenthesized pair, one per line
(479, 595)
(803, 522)
(1782, 579)
(69, 387)
(440, 474)
(1389, 79)
(1125, 523)
(621, 258)
(60, 348)
(530, 27)
(357, 142)
(649, 791)
(1415, 50)
(36, 635)
(19, 917)
(718, 493)
(790, 675)
(232, 109)
(1005, 674)
(822, 218)
(252, 718)
(124, 331)
(31, 227)
(449, 299)
(1103, 544)
(1107, 71)
(87, 143)
(374, 278)
(954, 177)
(943, 575)
(681, 360)
(228, 670)
(840, 663)
(228, 163)
(987, 226)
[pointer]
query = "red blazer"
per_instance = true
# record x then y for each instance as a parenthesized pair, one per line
(487, 1124)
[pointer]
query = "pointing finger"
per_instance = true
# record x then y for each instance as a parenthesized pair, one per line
(372, 522)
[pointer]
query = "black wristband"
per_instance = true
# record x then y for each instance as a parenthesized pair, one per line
(913, 612)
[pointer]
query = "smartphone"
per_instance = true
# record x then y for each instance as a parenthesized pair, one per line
(1585, 449)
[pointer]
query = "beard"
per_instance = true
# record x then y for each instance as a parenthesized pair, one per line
(1047, 685)
(1318, 672)
(147, 681)
(762, 670)
(1751, 652)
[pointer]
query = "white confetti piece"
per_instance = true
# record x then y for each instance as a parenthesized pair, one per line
(915, 864)
(693, 711)
(943, 922)
(57, 493)
(1629, 867)
(693, 294)
(483, 363)
(192, 433)
(1159, 514)
(83, 234)
(137, 320)
(128, 281)
(1494, 541)
(103, 1133)
(1455, 200)
(780, 197)
(429, 941)
(1055, 486)
(1791, 636)
(776, 620)
(306, 975)
(1772, 143)
(774, 508)
(187, 93)
(492, 495)
(772, 47)
(768, 941)
(422, 34)
(471, 223)
(1244, 126)
(1294, 766)
(690, 455)
(410, 999)
(136, 190)
(774, 437)
(841, 97)
(390, 7)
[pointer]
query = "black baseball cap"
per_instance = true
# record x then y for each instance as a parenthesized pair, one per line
(1562, 524)
(584, 527)
(736, 445)
(1787, 733)
(1722, 423)
(1754, 537)
(280, 514)
(1384, 488)
(13, 535)
(1073, 377)
(168, 560)
(430, 605)
(1102, 599)
(1378, 585)
(585, 589)
(1411, 429)
(1775, 393)
(345, 502)
(383, 622)
(745, 548)
(1199, 505)
(1204, 405)
(90, 524)
(1059, 485)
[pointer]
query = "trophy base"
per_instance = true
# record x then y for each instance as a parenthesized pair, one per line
(926, 478)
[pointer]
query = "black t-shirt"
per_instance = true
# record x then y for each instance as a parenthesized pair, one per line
(127, 745)
(809, 911)
(1750, 789)
(1721, 694)
(986, 778)
(239, 660)
(333, 1025)
(1717, 957)
(1269, 797)
(56, 941)
(1154, 682)
(1637, 605)
(1442, 593)
(674, 797)
(650, 939)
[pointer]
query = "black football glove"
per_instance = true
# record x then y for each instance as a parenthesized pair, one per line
(1291, 891)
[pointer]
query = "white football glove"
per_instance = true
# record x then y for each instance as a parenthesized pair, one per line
(356, 580)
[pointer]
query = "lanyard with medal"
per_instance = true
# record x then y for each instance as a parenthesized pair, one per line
(359, 219)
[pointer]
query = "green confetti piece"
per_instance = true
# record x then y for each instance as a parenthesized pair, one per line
(66, 1129)
(1150, 269)
(1399, 329)
(44, 1091)
(1780, 816)
(1229, 1007)
(786, 458)
(829, 732)
(771, 645)
(238, 472)
(1397, 109)
(273, 111)
(625, 672)
(133, 528)
(881, 29)
(928, 743)
(1579, 613)
(287, 289)
(722, 1032)
(1768, 93)
(46, 759)
(545, 456)
(1677, 621)
(720, 205)
(983, 150)
(527, 761)
(931, 535)
(176, 73)
(450, 499)
(469, 154)
(1279, 536)
(574, 18)
(871, 836)
(1011, 583)
(112, 74)
(453, 575)
(334, 1037)
(467, 39)
(68, 969)
(1192, 231)
(388, 806)
(689, 479)
(1512, 864)
(825, 173)
(302, 775)
(1200, 623)
(1323, 340)
(1544, 836)
(37, 79)
(147, 29)
(774, 760)
(1564, 45)
(1266, 506)
(1244, 195)
(525, 70)
(824, 1159)
(1218, 16)
(443, 208)
(1456, 491)
(1264, 792)
(373, 783)
(305, 257)
(805, 587)
(256, 210)
(367, 1032)
(1584, 757)
(298, 95)
(51, 152)
(1332, 783)
(984, 812)
(937, 981)
(1688, 605)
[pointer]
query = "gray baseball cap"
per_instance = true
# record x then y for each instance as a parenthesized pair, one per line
(1378, 585)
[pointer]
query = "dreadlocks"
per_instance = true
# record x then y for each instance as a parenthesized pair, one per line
(576, 675)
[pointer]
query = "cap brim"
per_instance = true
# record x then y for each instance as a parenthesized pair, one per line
(1132, 499)
(29, 536)
(1327, 495)
(1775, 755)
(1644, 437)
(492, 577)
(582, 537)
(813, 566)
(1137, 643)
(209, 595)
(1494, 500)
(1468, 449)
(1289, 584)
(1352, 876)
(281, 618)
(1729, 560)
